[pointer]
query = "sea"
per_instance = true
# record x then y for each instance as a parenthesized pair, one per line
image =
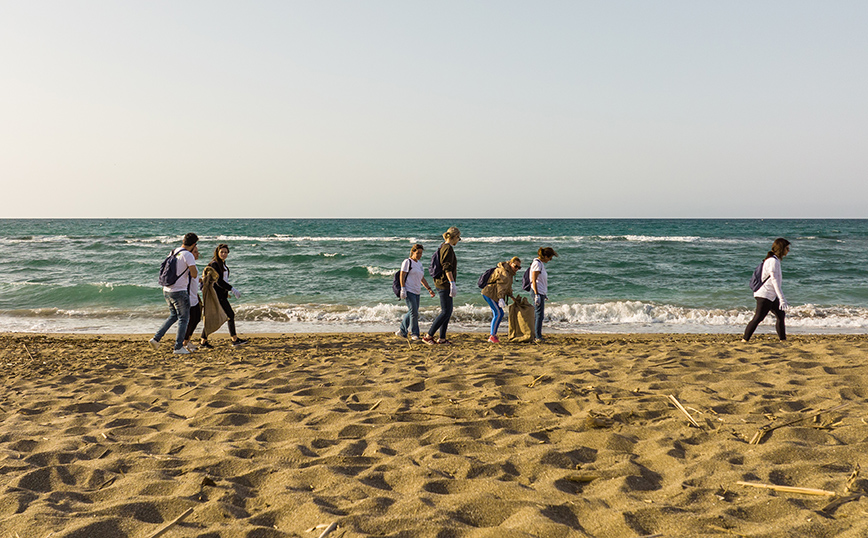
(99, 276)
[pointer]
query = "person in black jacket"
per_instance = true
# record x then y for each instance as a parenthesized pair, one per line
(223, 288)
(446, 287)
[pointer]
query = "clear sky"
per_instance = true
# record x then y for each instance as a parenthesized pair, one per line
(403, 108)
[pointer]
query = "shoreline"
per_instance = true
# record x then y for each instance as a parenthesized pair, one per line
(102, 436)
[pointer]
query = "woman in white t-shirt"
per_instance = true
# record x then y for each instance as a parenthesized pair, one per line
(769, 297)
(539, 284)
(195, 307)
(412, 279)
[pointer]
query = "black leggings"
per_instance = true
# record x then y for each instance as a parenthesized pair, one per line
(224, 303)
(195, 318)
(763, 307)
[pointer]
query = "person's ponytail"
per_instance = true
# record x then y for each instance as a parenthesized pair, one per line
(779, 248)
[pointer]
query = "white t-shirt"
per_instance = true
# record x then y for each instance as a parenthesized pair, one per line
(415, 274)
(194, 291)
(771, 290)
(542, 279)
(185, 261)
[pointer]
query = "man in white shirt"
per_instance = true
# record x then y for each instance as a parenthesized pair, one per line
(178, 295)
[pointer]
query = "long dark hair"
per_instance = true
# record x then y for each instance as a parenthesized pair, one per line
(779, 248)
(216, 256)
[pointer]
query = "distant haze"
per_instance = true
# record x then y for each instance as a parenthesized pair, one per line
(434, 109)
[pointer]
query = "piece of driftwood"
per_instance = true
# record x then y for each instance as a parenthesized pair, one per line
(28, 352)
(788, 489)
(830, 508)
(172, 524)
(851, 481)
(534, 382)
(331, 528)
(758, 436)
(582, 478)
(680, 407)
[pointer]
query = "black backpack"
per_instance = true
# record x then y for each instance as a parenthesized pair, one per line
(396, 283)
(484, 278)
(169, 269)
(756, 280)
(436, 268)
(525, 280)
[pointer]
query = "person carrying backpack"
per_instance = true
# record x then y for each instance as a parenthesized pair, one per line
(538, 283)
(411, 278)
(176, 273)
(497, 289)
(769, 297)
(444, 270)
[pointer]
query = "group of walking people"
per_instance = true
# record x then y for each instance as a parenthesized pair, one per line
(498, 287)
(444, 271)
(187, 308)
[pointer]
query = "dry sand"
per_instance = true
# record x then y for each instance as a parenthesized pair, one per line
(104, 437)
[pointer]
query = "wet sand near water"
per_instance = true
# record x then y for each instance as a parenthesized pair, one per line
(580, 436)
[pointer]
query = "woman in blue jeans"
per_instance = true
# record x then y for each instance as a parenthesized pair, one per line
(446, 287)
(539, 284)
(412, 279)
(497, 289)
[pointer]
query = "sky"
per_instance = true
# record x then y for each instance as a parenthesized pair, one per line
(437, 109)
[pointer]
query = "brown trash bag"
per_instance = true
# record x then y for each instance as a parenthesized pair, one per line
(212, 312)
(521, 317)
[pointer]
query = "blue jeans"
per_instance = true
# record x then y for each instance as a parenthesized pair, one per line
(498, 314)
(179, 310)
(539, 311)
(442, 320)
(410, 321)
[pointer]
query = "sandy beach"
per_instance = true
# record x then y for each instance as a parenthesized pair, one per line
(104, 437)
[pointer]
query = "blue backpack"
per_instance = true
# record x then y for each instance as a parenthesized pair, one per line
(756, 280)
(484, 278)
(436, 268)
(169, 269)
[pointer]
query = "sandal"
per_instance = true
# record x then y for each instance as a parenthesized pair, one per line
(444, 342)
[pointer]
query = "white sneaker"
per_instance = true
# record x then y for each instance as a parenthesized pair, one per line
(414, 337)
(181, 351)
(154, 343)
(192, 347)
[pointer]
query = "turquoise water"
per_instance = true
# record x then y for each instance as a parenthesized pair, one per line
(335, 275)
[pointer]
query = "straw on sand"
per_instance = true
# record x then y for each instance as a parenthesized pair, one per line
(788, 489)
(171, 524)
(680, 407)
(758, 436)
